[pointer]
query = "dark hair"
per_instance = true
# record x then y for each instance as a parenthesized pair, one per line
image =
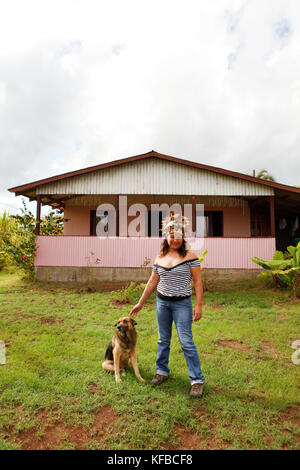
(164, 248)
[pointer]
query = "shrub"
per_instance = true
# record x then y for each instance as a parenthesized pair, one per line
(7, 225)
(18, 238)
(52, 224)
(19, 242)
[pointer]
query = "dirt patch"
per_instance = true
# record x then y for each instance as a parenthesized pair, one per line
(28, 316)
(103, 287)
(292, 415)
(283, 315)
(234, 345)
(105, 418)
(113, 286)
(45, 436)
(96, 389)
(51, 432)
(51, 320)
(270, 348)
(190, 439)
(24, 316)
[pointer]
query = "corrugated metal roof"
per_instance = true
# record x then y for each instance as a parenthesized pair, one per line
(29, 189)
(155, 176)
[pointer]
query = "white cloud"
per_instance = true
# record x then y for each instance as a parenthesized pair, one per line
(2, 93)
(91, 81)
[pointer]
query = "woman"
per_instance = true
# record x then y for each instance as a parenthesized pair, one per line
(172, 271)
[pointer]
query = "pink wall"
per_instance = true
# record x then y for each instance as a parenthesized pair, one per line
(79, 223)
(236, 220)
(134, 252)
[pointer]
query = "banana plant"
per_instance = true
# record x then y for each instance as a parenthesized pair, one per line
(278, 263)
(201, 257)
(295, 252)
(284, 270)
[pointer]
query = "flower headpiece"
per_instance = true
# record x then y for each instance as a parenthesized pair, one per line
(175, 223)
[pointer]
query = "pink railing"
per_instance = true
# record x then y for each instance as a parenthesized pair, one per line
(139, 251)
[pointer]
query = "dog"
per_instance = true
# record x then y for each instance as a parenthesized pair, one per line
(121, 351)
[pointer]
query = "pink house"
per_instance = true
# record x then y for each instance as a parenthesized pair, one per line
(243, 216)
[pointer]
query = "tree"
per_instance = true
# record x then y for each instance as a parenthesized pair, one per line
(264, 175)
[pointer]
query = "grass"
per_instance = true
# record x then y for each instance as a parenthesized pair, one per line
(54, 393)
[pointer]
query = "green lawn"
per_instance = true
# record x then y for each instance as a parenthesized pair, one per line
(54, 393)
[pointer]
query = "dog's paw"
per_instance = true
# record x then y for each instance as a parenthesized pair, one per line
(141, 379)
(118, 380)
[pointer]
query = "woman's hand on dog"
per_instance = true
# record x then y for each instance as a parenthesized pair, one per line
(135, 309)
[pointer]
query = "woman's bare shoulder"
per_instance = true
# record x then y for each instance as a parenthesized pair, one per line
(191, 255)
(156, 261)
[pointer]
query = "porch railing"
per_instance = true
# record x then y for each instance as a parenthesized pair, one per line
(141, 251)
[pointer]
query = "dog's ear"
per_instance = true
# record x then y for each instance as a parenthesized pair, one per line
(133, 322)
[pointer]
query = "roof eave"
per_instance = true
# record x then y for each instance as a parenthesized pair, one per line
(152, 153)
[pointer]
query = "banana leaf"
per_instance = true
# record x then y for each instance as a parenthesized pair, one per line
(201, 257)
(272, 264)
(285, 278)
(292, 270)
(278, 255)
(295, 252)
(261, 263)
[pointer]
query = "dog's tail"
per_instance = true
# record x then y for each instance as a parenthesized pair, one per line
(109, 352)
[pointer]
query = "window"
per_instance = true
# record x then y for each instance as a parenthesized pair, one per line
(213, 224)
(94, 221)
(260, 224)
(157, 217)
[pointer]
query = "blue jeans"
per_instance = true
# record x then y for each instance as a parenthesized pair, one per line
(181, 311)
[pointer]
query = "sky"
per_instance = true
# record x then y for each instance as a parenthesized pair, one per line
(88, 82)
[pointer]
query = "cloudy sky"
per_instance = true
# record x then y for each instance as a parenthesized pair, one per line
(84, 82)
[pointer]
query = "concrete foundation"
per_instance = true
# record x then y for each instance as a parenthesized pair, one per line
(119, 275)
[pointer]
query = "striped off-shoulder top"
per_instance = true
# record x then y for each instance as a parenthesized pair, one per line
(175, 282)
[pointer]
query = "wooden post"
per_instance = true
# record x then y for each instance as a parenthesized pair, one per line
(210, 228)
(116, 204)
(272, 216)
(38, 214)
(256, 231)
(194, 214)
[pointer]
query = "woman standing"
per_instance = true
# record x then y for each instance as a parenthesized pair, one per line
(172, 272)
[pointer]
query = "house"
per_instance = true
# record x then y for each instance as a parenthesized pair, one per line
(243, 216)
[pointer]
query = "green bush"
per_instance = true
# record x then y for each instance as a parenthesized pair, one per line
(6, 226)
(18, 241)
(52, 224)
(18, 238)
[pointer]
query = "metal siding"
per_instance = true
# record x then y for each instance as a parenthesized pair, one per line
(154, 176)
(132, 252)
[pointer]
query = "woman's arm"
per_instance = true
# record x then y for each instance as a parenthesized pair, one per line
(150, 286)
(198, 285)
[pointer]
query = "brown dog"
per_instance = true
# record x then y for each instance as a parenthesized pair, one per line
(122, 349)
